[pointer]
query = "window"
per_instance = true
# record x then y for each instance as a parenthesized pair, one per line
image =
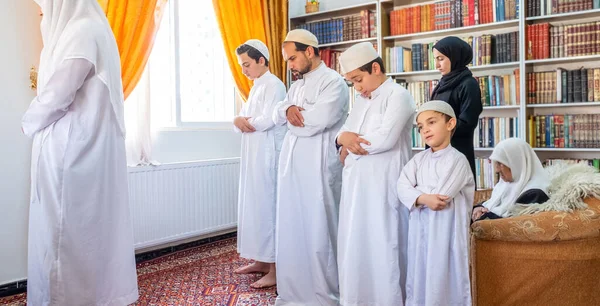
(189, 78)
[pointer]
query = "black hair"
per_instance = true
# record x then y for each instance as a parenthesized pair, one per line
(252, 53)
(447, 119)
(303, 47)
(369, 67)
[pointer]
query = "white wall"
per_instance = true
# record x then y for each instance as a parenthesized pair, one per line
(296, 7)
(20, 45)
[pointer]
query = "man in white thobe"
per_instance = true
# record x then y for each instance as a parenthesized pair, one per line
(309, 179)
(80, 233)
(437, 186)
(376, 144)
(261, 144)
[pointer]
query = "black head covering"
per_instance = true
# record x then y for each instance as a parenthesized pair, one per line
(460, 54)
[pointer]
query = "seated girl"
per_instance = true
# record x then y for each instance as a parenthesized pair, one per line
(522, 180)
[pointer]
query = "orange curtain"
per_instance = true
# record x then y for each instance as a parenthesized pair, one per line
(275, 16)
(251, 19)
(134, 24)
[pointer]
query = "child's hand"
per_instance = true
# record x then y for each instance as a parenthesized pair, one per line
(434, 202)
(478, 212)
(243, 124)
(352, 142)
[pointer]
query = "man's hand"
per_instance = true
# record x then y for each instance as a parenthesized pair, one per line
(478, 212)
(343, 154)
(243, 124)
(351, 141)
(434, 202)
(294, 116)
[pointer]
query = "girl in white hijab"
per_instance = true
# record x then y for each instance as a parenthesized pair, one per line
(80, 234)
(522, 180)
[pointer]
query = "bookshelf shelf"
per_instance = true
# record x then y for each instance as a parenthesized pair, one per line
(473, 68)
(349, 42)
(569, 16)
(446, 32)
(325, 14)
(567, 149)
(495, 66)
(563, 60)
(553, 105)
(410, 73)
(501, 107)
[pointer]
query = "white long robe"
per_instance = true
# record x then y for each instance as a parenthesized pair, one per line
(438, 241)
(309, 183)
(373, 224)
(258, 170)
(80, 234)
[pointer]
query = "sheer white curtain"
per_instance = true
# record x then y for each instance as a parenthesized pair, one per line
(138, 124)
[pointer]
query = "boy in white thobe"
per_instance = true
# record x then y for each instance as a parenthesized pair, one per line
(80, 248)
(261, 143)
(309, 180)
(373, 224)
(437, 186)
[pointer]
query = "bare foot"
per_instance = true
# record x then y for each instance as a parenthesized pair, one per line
(266, 281)
(256, 267)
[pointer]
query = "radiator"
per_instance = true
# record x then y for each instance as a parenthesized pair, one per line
(180, 201)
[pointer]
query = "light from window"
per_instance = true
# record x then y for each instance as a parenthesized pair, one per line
(189, 46)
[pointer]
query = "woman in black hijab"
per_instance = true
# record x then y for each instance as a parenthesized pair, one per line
(458, 87)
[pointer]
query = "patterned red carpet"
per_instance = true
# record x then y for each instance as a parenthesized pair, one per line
(197, 276)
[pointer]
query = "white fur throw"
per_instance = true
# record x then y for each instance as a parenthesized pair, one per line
(570, 184)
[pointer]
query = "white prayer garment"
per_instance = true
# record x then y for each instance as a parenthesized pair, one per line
(438, 241)
(258, 173)
(309, 190)
(527, 172)
(80, 232)
(373, 224)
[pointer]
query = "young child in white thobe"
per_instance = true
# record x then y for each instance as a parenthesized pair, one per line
(375, 144)
(261, 144)
(437, 186)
